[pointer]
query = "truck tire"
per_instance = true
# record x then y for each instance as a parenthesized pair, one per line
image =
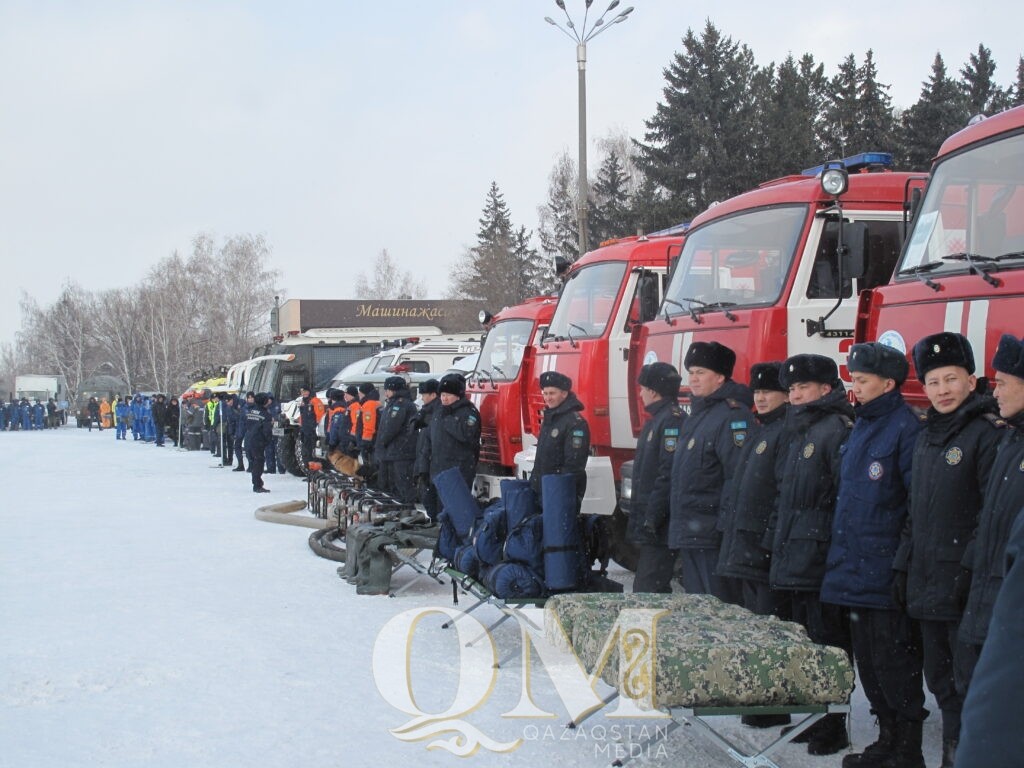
(621, 551)
(289, 453)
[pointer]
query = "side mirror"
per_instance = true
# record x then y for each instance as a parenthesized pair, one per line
(916, 194)
(855, 255)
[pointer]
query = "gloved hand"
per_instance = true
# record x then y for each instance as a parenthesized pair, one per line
(899, 589)
(961, 589)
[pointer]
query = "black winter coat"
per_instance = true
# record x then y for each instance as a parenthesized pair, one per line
(259, 429)
(874, 483)
(563, 445)
(742, 554)
(454, 439)
(159, 413)
(422, 427)
(710, 446)
(807, 473)
(652, 473)
(395, 439)
(952, 462)
(173, 418)
(1004, 498)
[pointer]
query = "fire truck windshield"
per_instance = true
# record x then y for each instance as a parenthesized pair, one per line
(502, 353)
(736, 261)
(587, 300)
(972, 215)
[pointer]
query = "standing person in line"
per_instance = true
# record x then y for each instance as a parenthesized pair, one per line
(454, 434)
(563, 444)
(1003, 500)
(818, 422)
(123, 413)
(173, 420)
(229, 422)
(258, 431)
(366, 428)
(159, 411)
(241, 421)
(428, 392)
(652, 473)
(94, 414)
(871, 511)
(271, 461)
(703, 472)
(952, 459)
(311, 413)
(396, 440)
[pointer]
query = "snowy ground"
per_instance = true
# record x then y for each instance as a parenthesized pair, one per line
(147, 619)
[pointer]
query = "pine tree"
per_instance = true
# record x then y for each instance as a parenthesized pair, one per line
(978, 85)
(697, 145)
(1017, 90)
(501, 269)
(939, 112)
(876, 128)
(841, 112)
(611, 215)
(791, 108)
(558, 231)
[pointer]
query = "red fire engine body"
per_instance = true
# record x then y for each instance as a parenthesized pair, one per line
(962, 268)
(498, 388)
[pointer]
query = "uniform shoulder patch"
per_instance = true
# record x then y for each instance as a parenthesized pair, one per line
(672, 431)
(995, 420)
(578, 433)
(847, 421)
(738, 425)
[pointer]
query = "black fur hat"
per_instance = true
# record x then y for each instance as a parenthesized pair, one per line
(395, 383)
(711, 355)
(452, 384)
(352, 390)
(940, 350)
(879, 359)
(662, 378)
(262, 399)
(802, 368)
(766, 376)
(555, 379)
(366, 388)
(1009, 356)
(429, 387)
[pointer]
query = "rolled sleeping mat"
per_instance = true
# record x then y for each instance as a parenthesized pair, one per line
(512, 580)
(520, 502)
(562, 542)
(457, 500)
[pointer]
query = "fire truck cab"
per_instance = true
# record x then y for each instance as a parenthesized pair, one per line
(962, 268)
(498, 385)
(775, 271)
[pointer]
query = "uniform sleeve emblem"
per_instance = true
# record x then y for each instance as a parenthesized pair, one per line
(689, 445)
(554, 432)
(808, 450)
(670, 444)
(954, 456)
(650, 436)
(875, 471)
(471, 419)
(761, 447)
(739, 438)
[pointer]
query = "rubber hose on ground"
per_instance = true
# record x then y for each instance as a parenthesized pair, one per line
(321, 544)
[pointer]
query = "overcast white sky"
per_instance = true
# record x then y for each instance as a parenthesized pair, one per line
(337, 129)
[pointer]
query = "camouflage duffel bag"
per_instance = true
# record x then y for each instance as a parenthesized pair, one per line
(707, 653)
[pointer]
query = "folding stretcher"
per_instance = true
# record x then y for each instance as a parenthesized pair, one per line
(706, 659)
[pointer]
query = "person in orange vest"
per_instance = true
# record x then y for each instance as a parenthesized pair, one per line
(105, 413)
(366, 429)
(311, 411)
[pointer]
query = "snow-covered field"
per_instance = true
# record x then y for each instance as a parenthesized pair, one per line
(147, 619)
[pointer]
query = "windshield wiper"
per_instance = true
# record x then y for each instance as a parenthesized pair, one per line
(693, 312)
(568, 331)
(974, 261)
(1010, 255)
(484, 372)
(706, 307)
(919, 273)
(500, 372)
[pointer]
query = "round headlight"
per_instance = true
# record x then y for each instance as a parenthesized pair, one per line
(833, 181)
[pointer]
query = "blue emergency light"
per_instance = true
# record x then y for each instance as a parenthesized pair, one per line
(853, 163)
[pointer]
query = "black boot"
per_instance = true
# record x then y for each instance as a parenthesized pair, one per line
(879, 753)
(949, 753)
(907, 749)
(830, 737)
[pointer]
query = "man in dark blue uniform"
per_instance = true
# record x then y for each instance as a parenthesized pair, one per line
(710, 446)
(396, 441)
(454, 435)
(874, 482)
(1004, 498)
(428, 391)
(652, 475)
(564, 440)
(258, 432)
(952, 459)
(818, 422)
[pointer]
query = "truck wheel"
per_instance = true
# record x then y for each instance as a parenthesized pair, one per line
(620, 550)
(289, 453)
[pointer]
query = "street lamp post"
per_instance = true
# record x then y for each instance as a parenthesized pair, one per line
(581, 37)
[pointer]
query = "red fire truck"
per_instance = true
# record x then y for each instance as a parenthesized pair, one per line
(962, 268)
(593, 338)
(498, 385)
(774, 272)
